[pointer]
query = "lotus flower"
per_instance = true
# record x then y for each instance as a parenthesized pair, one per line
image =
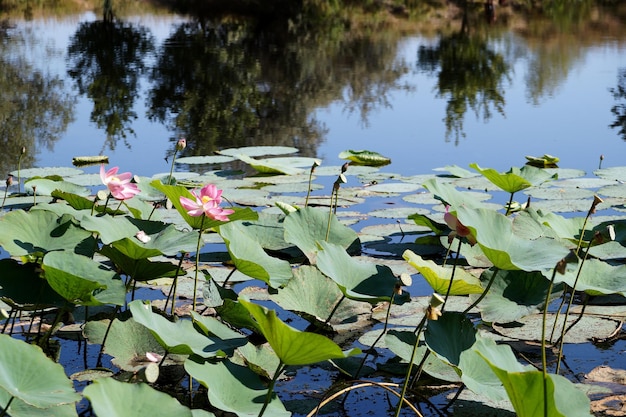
(458, 228)
(119, 185)
(207, 202)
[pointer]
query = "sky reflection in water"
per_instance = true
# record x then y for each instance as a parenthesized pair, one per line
(569, 116)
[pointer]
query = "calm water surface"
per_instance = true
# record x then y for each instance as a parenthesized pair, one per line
(130, 91)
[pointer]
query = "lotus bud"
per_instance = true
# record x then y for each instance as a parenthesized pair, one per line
(436, 300)
(610, 230)
(344, 167)
(9, 181)
(596, 200)
(23, 151)
(397, 288)
(181, 144)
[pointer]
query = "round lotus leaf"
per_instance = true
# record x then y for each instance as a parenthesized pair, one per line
(585, 182)
(558, 193)
(205, 159)
(300, 187)
(394, 187)
(612, 173)
(529, 328)
(259, 150)
(46, 171)
(335, 170)
(566, 173)
(615, 190)
(397, 212)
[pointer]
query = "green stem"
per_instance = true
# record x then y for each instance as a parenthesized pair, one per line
(484, 293)
(308, 192)
(456, 262)
(544, 359)
(330, 216)
(169, 180)
(356, 374)
(6, 408)
(5, 197)
(270, 388)
(564, 329)
(195, 280)
(410, 368)
(343, 297)
(508, 207)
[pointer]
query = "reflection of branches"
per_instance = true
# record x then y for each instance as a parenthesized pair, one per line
(34, 110)
(107, 61)
(619, 109)
(223, 85)
(470, 76)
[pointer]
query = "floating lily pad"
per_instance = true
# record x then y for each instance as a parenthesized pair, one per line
(46, 171)
(588, 327)
(364, 157)
(205, 159)
(259, 150)
(612, 173)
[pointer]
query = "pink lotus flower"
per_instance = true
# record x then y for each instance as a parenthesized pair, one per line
(458, 228)
(119, 185)
(207, 203)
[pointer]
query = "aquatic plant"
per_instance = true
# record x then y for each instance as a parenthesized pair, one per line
(294, 286)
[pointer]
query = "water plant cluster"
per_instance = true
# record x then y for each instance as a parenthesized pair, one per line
(263, 275)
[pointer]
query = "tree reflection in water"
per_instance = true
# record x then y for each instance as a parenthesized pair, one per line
(35, 109)
(107, 59)
(229, 85)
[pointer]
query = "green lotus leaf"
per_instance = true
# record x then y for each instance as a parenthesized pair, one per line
(308, 225)
(292, 346)
(23, 233)
(495, 234)
(595, 277)
(259, 150)
(46, 186)
(250, 258)
(81, 280)
(423, 220)
(364, 157)
(46, 171)
(125, 340)
(260, 359)
(544, 161)
(182, 337)
(204, 159)
(476, 374)
(19, 408)
(82, 203)
(234, 388)
(524, 386)
(516, 179)
(142, 269)
(448, 194)
(21, 286)
(269, 167)
(450, 335)
(439, 277)
(357, 280)
(514, 294)
(112, 398)
(401, 343)
(27, 374)
(312, 293)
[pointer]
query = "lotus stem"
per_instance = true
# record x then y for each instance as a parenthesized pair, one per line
(508, 206)
(173, 288)
(230, 274)
(420, 327)
(195, 278)
(19, 169)
(484, 293)
(343, 297)
(6, 407)
(308, 192)
(270, 388)
(565, 329)
(106, 334)
(544, 360)
(362, 384)
(456, 262)
(356, 374)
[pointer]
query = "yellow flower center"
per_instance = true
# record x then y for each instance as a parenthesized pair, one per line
(205, 199)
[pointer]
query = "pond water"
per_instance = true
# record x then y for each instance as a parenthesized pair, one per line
(489, 94)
